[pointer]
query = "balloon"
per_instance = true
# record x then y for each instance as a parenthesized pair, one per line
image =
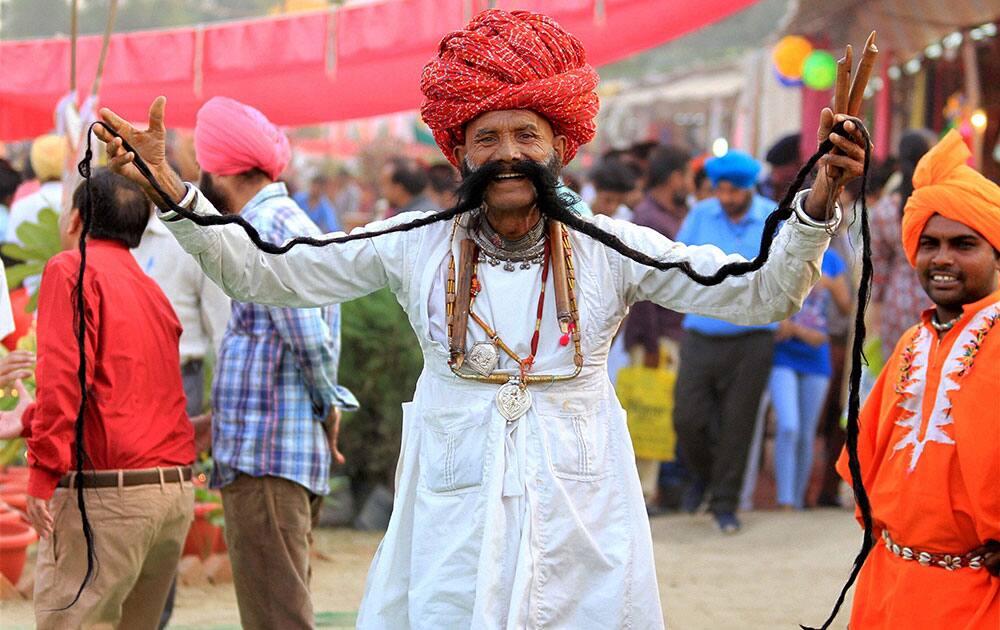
(790, 55)
(820, 70)
(785, 81)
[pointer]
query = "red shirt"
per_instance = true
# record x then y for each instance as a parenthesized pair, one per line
(136, 414)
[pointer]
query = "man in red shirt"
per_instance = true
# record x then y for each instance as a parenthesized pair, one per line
(138, 439)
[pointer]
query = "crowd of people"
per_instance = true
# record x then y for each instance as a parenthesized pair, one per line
(508, 506)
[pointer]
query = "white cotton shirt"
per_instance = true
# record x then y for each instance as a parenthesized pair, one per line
(201, 306)
(539, 522)
(6, 312)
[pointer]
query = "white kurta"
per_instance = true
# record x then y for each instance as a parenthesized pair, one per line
(539, 523)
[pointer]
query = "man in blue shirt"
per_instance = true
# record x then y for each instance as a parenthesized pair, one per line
(723, 367)
(317, 206)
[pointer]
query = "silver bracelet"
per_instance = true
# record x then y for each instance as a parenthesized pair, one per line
(798, 204)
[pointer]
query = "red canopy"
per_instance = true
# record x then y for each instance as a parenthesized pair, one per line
(307, 68)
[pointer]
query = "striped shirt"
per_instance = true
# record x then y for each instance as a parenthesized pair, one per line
(276, 375)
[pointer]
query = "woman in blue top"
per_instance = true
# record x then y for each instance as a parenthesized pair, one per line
(799, 380)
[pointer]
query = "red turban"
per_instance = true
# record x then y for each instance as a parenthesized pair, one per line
(231, 138)
(943, 184)
(515, 60)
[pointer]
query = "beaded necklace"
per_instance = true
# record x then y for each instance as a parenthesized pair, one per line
(479, 364)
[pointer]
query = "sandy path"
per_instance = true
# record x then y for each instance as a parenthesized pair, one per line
(781, 570)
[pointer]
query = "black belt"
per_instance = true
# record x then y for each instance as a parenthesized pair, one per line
(112, 478)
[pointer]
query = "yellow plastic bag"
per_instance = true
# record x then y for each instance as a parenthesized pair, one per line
(647, 394)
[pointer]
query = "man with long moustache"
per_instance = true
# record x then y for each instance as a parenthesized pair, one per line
(517, 501)
(930, 430)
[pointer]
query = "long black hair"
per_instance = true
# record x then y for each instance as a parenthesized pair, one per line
(555, 206)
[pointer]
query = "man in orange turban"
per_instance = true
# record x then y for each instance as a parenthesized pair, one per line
(930, 430)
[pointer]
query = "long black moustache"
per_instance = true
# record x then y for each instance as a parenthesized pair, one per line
(557, 206)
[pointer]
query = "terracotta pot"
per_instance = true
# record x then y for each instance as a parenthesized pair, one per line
(11, 473)
(202, 537)
(14, 486)
(220, 542)
(14, 540)
(16, 500)
(10, 516)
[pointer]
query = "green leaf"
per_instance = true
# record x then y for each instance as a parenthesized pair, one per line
(17, 273)
(41, 238)
(15, 251)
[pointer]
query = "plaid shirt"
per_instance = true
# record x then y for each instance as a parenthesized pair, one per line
(276, 375)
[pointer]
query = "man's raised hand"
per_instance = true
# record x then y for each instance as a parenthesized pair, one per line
(151, 146)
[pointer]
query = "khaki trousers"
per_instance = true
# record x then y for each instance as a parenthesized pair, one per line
(269, 523)
(139, 533)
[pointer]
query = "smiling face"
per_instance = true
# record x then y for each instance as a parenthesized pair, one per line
(508, 137)
(955, 264)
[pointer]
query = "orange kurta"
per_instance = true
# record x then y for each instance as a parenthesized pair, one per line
(930, 455)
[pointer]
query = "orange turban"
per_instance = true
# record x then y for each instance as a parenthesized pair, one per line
(509, 60)
(943, 184)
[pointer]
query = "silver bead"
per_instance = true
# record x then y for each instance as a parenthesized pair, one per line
(907, 553)
(924, 558)
(976, 562)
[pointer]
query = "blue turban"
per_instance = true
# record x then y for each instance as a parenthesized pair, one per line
(736, 167)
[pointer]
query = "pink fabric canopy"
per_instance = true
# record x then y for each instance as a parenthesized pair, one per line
(307, 68)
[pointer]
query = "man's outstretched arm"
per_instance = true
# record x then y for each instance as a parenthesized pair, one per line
(303, 277)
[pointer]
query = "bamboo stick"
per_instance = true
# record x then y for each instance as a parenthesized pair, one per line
(74, 10)
(463, 302)
(843, 86)
(564, 310)
(864, 72)
(109, 27)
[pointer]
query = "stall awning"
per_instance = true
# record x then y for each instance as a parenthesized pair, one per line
(304, 69)
(905, 27)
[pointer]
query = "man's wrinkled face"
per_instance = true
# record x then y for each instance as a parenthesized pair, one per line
(955, 264)
(508, 137)
(735, 201)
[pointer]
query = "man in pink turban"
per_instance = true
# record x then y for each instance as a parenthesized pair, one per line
(275, 398)
(517, 502)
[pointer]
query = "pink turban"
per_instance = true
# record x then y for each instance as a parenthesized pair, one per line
(515, 60)
(943, 184)
(231, 138)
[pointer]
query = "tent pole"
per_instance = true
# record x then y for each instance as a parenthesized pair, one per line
(74, 10)
(108, 28)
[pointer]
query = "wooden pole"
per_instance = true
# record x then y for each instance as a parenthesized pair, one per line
(73, 15)
(463, 302)
(108, 29)
(861, 77)
(973, 92)
(843, 85)
(564, 310)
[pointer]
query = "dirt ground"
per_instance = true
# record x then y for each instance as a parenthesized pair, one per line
(782, 569)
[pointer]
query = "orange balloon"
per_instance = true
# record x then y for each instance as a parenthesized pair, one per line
(790, 55)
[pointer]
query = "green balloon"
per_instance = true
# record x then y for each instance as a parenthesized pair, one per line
(820, 70)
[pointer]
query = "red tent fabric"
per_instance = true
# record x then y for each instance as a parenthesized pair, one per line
(307, 68)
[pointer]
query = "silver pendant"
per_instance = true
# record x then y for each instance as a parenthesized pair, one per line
(483, 358)
(513, 400)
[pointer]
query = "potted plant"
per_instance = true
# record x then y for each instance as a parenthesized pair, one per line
(380, 362)
(15, 536)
